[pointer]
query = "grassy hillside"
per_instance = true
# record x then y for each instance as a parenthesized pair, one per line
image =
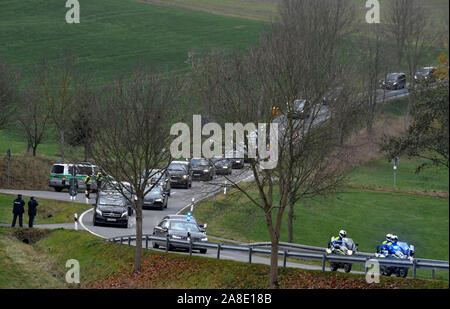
(108, 265)
(114, 36)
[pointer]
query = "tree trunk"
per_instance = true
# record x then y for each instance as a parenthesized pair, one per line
(138, 253)
(274, 265)
(291, 220)
(34, 150)
(62, 146)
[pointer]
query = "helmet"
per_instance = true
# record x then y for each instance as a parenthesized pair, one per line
(342, 233)
(389, 237)
(394, 238)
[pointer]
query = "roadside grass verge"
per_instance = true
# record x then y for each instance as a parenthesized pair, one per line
(48, 211)
(109, 265)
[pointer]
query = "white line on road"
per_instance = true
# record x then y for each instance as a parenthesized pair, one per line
(81, 222)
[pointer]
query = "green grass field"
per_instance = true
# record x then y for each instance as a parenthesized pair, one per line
(114, 36)
(48, 211)
(108, 265)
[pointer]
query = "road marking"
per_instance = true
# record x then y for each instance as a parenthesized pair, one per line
(81, 222)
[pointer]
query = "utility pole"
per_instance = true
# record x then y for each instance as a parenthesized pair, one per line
(9, 163)
(395, 172)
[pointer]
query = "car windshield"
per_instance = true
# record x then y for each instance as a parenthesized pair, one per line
(391, 77)
(177, 167)
(183, 226)
(112, 200)
(425, 70)
(58, 169)
(156, 190)
(201, 162)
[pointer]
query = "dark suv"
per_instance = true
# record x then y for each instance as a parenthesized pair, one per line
(394, 81)
(163, 179)
(112, 208)
(202, 169)
(180, 173)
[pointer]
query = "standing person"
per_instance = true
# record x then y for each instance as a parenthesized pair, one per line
(99, 179)
(18, 210)
(32, 204)
(88, 182)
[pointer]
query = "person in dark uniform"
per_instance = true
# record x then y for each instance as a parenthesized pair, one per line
(18, 210)
(32, 205)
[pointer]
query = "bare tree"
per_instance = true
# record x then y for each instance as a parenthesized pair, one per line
(134, 117)
(8, 92)
(297, 61)
(32, 114)
(57, 88)
(411, 27)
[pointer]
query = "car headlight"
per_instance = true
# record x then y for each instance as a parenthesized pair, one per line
(124, 214)
(238, 161)
(185, 176)
(349, 252)
(98, 211)
(204, 239)
(206, 171)
(158, 200)
(176, 237)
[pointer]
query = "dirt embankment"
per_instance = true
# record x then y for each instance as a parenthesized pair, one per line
(26, 172)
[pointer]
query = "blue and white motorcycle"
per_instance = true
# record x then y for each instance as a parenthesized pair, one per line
(399, 251)
(348, 247)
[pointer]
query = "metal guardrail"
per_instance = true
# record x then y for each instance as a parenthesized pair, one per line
(360, 258)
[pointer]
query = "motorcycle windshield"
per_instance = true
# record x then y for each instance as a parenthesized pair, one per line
(348, 243)
(404, 247)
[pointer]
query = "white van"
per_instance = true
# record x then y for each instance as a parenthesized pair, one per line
(60, 175)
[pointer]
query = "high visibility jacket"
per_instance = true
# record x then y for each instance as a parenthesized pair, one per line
(88, 180)
(99, 177)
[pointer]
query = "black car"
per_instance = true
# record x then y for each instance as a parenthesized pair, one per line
(180, 230)
(202, 169)
(161, 177)
(201, 227)
(425, 74)
(237, 159)
(180, 173)
(112, 208)
(222, 165)
(156, 198)
(394, 81)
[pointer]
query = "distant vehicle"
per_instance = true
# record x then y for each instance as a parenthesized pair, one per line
(222, 165)
(202, 169)
(301, 110)
(60, 175)
(114, 187)
(236, 158)
(202, 227)
(181, 230)
(180, 173)
(163, 177)
(112, 208)
(394, 81)
(348, 247)
(156, 198)
(425, 74)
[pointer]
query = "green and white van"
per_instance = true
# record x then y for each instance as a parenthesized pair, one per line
(60, 175)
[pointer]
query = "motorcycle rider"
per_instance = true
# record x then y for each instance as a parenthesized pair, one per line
(387, 243)
(337, 242)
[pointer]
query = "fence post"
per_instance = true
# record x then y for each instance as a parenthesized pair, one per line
(218, 251)
(167, 243)
(129, 240)
(190, 246)
(284, 258)
(250, 255)
(121, 240)
(323, 262)
(432, 273)
(414, 268)
(146, 241)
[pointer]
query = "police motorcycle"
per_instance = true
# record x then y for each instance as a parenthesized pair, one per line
(347, 248)
(399, 251)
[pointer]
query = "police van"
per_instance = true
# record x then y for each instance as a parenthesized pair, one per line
(61, 174)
